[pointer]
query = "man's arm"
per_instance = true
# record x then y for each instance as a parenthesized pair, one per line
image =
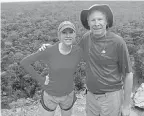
(126, 70)
(128, 84)
(26, 63)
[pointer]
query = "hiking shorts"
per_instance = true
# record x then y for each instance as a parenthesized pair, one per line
(50, 103)
(107, 104)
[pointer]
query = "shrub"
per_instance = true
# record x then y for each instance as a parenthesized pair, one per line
(80, 77)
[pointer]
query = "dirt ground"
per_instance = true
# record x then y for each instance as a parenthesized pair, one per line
(78, 109)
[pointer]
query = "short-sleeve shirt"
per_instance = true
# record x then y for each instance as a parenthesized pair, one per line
(105, 70)
(61, 68)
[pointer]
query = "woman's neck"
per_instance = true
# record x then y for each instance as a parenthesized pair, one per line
(64, 49)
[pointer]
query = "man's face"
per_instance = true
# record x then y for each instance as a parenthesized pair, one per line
(67, 36)
(97, 22)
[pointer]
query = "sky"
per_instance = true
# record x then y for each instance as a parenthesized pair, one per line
(2, 1)
(56, 0)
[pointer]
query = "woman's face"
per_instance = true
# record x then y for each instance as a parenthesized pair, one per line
(67, 36)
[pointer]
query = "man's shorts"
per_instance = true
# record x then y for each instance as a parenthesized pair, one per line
(50, 103)
(108, 104)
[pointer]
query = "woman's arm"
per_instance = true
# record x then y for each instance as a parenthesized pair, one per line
(26, 63)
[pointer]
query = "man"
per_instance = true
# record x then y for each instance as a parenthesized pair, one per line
(62, 59)
(108, 64)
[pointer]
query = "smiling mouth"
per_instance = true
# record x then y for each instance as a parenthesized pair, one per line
(68, 39)
(97, 28)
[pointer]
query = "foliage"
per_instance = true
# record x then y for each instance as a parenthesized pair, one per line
(26, 26)
(80, 76)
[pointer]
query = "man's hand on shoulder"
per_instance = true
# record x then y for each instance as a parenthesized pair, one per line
(44, 46)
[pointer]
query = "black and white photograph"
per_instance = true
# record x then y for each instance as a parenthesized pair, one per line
(72, 58)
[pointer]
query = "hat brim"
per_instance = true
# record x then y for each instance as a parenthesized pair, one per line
(104, 8)
(66, 27)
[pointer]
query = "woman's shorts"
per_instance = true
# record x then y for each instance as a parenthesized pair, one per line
(50, 103)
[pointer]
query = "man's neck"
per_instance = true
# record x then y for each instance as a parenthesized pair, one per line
(99, 36)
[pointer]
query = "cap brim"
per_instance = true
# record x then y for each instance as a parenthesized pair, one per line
(65, 27)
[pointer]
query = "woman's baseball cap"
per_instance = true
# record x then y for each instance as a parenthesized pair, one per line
(100, 7)
(66, 24)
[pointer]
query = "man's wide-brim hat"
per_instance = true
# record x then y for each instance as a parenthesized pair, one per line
(100, 7)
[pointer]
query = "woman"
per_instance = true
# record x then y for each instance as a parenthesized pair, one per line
(62, 59)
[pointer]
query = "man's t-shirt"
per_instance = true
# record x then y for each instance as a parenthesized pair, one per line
(61, 68)
(105, 69)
